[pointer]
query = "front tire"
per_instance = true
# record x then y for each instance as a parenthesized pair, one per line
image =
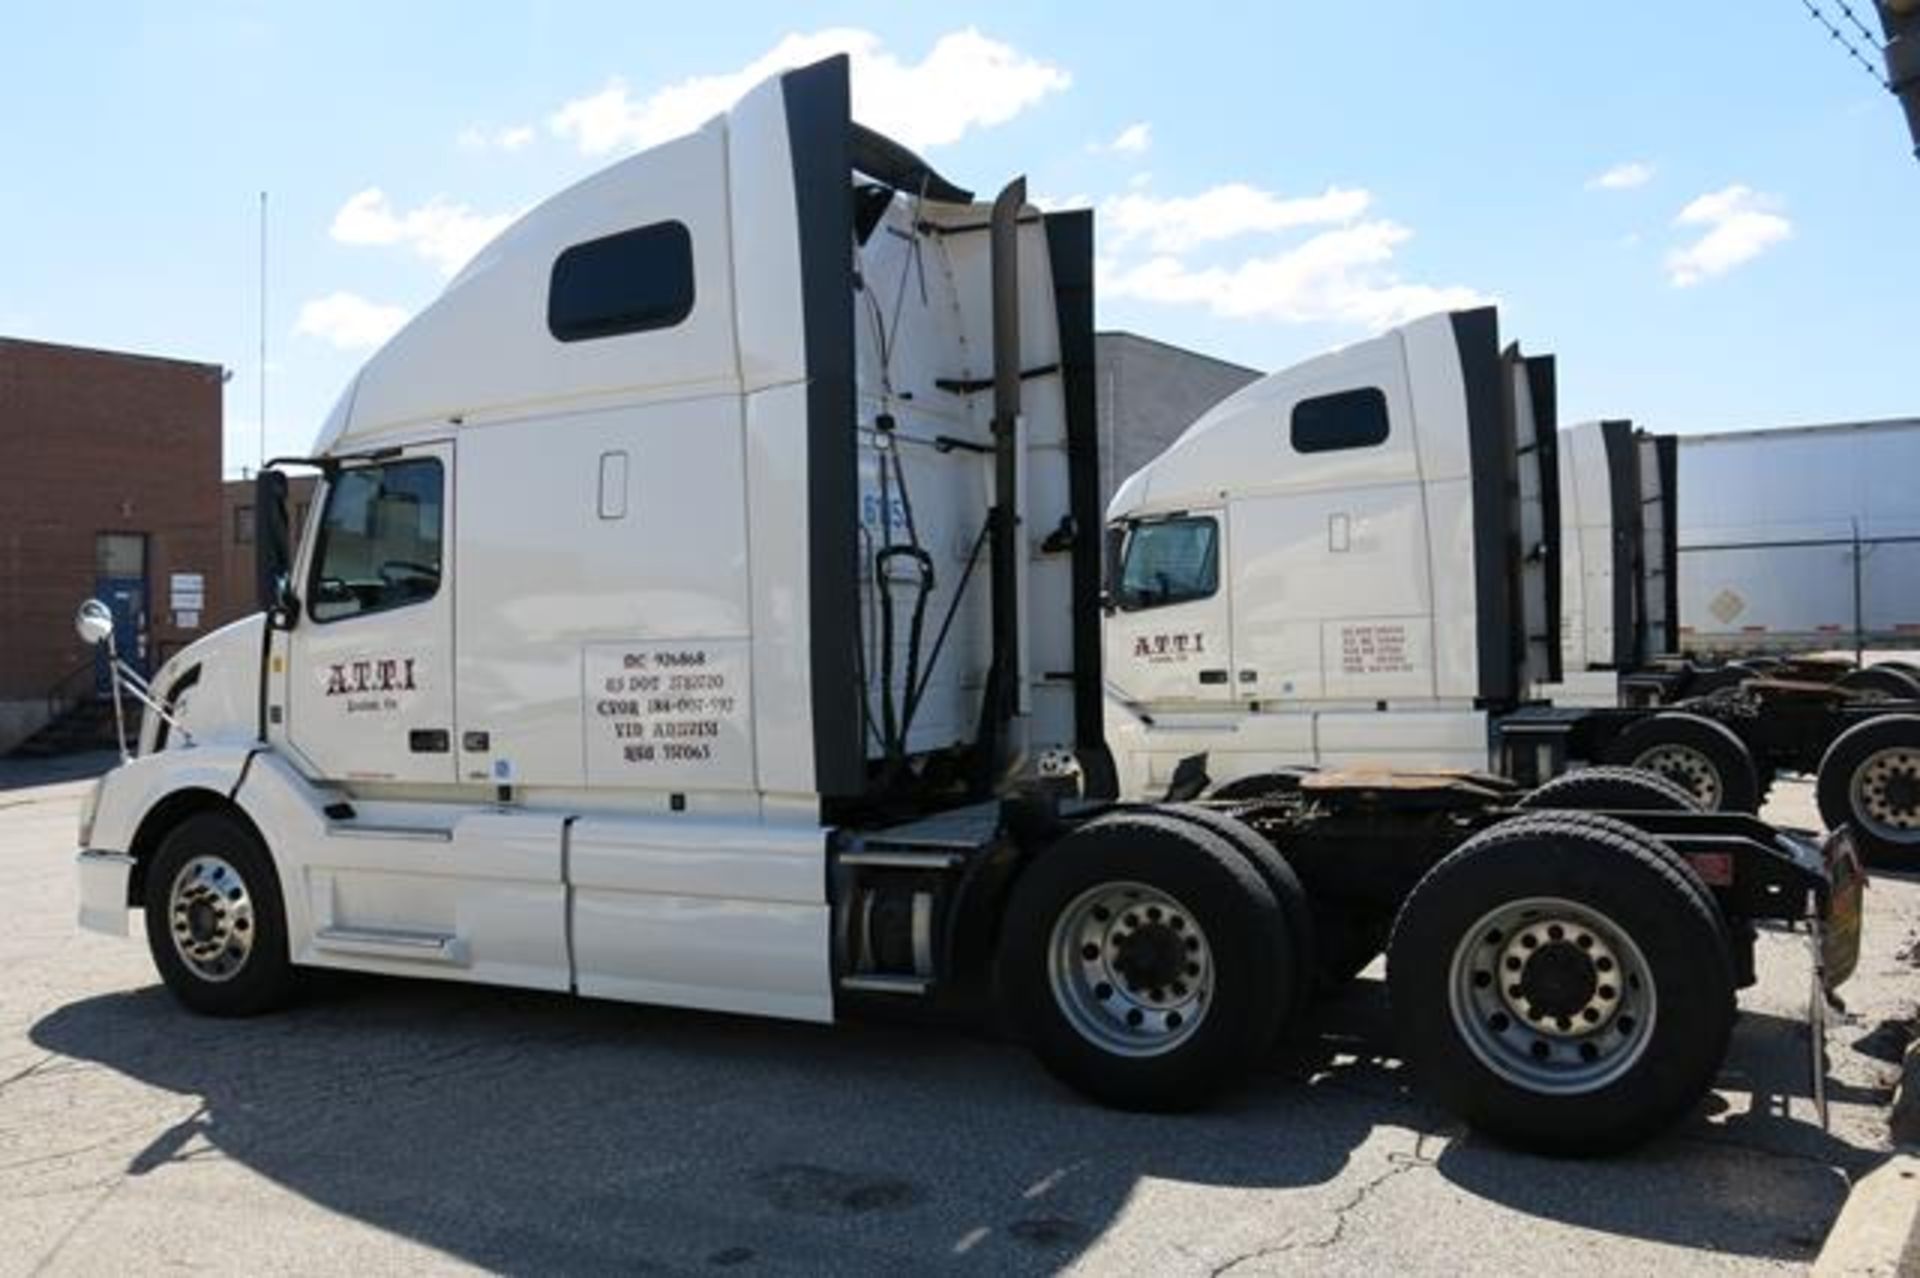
(216, 925)
(1560, 986)
(1145, 962)
(1869, 779)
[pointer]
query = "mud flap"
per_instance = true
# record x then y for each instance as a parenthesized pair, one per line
(1834, 939)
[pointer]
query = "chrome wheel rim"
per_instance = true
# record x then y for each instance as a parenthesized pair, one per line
(210, 915)
(1131, 970)
(1686, 767)
(1886, 794)
(1552, 996)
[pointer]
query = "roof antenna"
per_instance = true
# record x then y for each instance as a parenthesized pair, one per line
(263, 330)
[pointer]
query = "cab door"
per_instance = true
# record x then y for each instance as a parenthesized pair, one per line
(1171, 623)
(370, 661)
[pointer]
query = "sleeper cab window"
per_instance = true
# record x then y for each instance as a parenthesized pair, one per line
(1347, 419)
(628, 282)
(380, 540)
(1169, 561)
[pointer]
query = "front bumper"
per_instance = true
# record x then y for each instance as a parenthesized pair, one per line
(104, 877)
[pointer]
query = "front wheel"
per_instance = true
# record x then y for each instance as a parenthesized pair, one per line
(1145, 962)
(1560, 985)
(215, 923)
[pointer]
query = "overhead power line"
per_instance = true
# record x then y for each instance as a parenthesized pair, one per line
(1840, 38)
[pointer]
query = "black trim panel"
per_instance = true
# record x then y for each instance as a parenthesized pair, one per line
(1476, 337)
(1667, 451)
(1070, 254)
(1629, 536)
(819, 123)
(1542, 386)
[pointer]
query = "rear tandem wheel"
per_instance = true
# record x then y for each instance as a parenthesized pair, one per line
(1561, 985)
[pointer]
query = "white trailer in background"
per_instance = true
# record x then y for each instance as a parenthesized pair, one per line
(1800, 539)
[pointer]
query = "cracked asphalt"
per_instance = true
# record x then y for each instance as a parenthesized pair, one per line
(384, 1125)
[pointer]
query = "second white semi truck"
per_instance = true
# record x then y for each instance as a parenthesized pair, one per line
(1360, 561)
(700, 606)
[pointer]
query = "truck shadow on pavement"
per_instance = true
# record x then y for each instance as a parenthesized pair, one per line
(523, 1131)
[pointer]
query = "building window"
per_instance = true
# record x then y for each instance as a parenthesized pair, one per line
(1169, 561)
(380, 540)
(243, 525)
(120, 555)
(626, 283)
(1350, 419)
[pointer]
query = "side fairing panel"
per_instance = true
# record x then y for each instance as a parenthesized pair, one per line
(1440, 412)
(604, 533)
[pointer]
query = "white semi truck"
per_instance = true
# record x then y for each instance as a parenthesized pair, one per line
(701, 607)
(1388, 556)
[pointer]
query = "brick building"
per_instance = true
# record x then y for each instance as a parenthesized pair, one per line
(109, 486)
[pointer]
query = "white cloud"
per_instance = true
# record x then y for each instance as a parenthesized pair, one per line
(445, 234)
(1055, 203)
(1132, 140)
(965, 81)
(1342, 275)
(1740, 225)
(1174, 225)
(349, 321)
(1622, 177)
(1139, 180)
(509, 139)
(512, 138)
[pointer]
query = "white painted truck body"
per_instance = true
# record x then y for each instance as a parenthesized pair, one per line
(701, 606)
(1618, 595)
(587, 726)
(1800, 538)
(1371, 598)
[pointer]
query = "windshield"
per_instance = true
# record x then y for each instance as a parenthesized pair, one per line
(1169, 561)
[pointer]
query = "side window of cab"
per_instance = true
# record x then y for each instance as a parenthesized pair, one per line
(1169, 561)
(381, 539)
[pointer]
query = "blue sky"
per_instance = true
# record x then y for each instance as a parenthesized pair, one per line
(1271, 179)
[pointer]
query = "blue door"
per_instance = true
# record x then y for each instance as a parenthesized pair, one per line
(120, 582)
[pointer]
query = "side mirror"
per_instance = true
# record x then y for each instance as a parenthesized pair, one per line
(93, 623)
(272, 549)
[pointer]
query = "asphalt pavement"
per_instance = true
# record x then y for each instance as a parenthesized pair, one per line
(384, 1125)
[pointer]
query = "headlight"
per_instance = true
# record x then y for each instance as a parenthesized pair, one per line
(88, 807)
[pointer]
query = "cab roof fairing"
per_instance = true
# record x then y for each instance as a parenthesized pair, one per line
(485, 305)
(1138, 495)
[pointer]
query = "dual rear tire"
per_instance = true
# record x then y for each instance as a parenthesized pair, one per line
(1869, 780)
(1561, 981)
(1705, 758)
(1148, 961)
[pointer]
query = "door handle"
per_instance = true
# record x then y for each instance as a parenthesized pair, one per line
(1213, 676)
(429, 741)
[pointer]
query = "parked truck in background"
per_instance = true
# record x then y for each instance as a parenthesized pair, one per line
(701, 607)
(1363, 560)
